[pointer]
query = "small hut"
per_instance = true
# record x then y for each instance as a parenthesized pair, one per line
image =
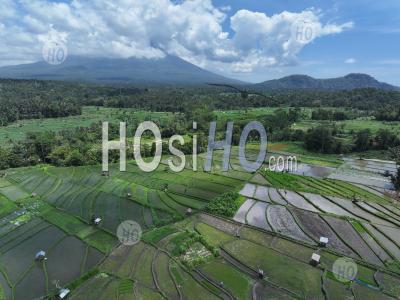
(41, 255)
(261, 274)
(189, 211)
(315, 259)
(97, 221)
(63, 293)
(323, 241)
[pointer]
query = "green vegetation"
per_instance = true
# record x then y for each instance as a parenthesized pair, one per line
(64, 221)
(75, 140)
(6, 206)
(225, 205)
(235, 281)
(2, 296)
(363, 273)
(157, 234)
(184, 242)
(213, 236)
(13, 193)
(301, 278)
(58, 122)
(79, 281)
(190, 288)
(125, 286)
(101, 240)
(18, 131)
(29, 99)
(357, 225)
(58, 130)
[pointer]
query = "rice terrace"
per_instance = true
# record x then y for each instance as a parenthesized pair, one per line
(164, 149)
(191, 246)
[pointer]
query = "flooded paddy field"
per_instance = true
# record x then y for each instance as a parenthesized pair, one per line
(317, 228)
(256, 216)
(65, 258)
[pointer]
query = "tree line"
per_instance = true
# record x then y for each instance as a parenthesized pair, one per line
(27, 99)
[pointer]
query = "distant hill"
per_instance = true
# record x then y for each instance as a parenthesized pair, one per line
(170, 70)
(304, 82)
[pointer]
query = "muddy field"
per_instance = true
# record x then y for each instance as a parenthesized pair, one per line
(248, 190)
(276, 197)
(379, 251)
(357, 211)
(256, 216)
(384, 241)
(326, 205)
(262, 194)
(317, 227)
(283, 222)
(297, 200)
(353, 239)
(240, 215)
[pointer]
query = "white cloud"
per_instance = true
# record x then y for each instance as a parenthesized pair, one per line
(191, 29)
(350, 61)
(277, 40)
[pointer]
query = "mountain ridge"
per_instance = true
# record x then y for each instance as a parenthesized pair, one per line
(304, 82)
(170, 70)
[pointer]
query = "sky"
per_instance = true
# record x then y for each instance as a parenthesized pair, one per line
(251, 40)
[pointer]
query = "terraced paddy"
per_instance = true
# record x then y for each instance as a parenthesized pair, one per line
(362, 230)
(67, 258)
(188, 254)
(230, 275)
(83, 192)
(51, 209)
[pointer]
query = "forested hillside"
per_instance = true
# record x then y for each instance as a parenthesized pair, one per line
(33, 99)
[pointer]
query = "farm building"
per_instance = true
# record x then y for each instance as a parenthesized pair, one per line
(315, 259)
(41, 255)
(63, 293)
(323, 241)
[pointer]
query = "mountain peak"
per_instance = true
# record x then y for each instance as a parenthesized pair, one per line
(170, 70)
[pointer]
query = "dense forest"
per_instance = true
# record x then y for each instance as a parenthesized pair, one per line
(34, 99)
(175, 99)
(27, 99)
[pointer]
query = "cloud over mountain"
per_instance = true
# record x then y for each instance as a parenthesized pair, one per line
(193, 30)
